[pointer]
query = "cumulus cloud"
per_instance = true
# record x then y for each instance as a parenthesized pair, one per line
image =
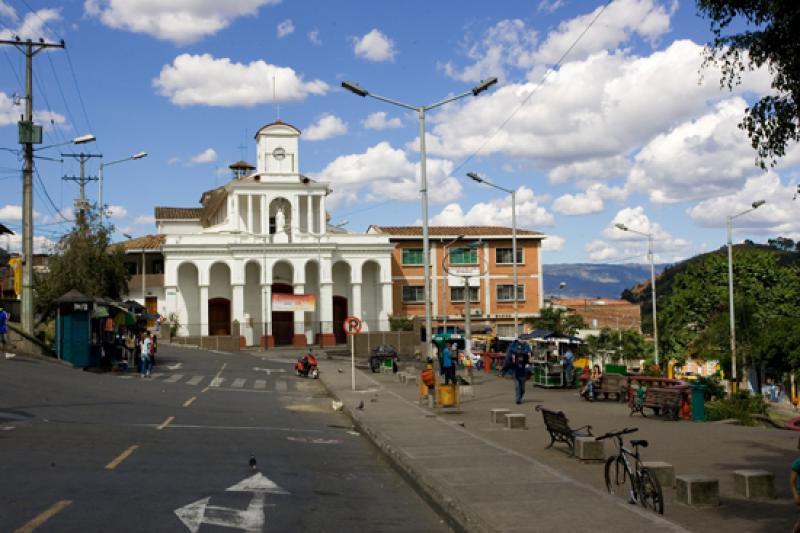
(374, 46)
(10, 114)
(592, 200)
(780, 215)
(285, 28)
(383, 172)
(553, 243)
(144, 220)
(180, 22)
(11, 212)
(326, 127)
(206, 80)
(378, 121)
(590, 170)
(209, 155)
(117, 211)
(313, 36)
(497, 212)
(41, 244)
(32, 26)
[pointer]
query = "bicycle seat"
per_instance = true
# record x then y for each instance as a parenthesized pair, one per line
(642, 443)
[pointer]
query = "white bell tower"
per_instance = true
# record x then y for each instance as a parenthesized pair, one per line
(277, 146)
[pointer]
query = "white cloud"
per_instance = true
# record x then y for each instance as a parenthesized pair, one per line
(33, 25)
(206, 80)
(10, 113)
(143, 220)
(209, 155)
(374, 46)
(497, 212)
(8, 12)
(313, 37)
(385, 172)
(65, 215)
(590, 169)
(553, 243)
(181, 22)
(13, 243)
(549, 6)
(779, 216)
(117, 212)
(11, 212)
(592, 200)
(285, 28)
(326, 127)
(378, 121)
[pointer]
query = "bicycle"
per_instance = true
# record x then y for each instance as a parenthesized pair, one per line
(625, 468)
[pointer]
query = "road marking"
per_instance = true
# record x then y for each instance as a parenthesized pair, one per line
(280, 385)
(261, 384)
(238, 383)
(257, 483)
(155, 375)
(44, 517)
(195, 380)
(121, 457)
(216, 382)
(174, 378)
(204, 390)
(237, 428)
(188, 402)
(176, 366)
(165, 423)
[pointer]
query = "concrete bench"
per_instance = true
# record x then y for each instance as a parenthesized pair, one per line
(515, 421)
(498, 415)
(697, 490)
(589, 449)
(754, 484)
(410, 379)
(664, 472)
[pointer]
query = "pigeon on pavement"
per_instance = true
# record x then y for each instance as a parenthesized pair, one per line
(360, 404)
(252, 462)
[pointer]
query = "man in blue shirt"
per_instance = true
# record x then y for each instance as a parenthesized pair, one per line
(3, 327)
(447, 365)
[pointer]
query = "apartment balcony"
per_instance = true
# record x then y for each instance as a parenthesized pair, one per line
(151, 281)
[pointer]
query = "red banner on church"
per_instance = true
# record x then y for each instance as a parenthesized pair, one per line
(293, 302)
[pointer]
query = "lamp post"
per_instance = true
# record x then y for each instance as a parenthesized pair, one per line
(755, 205)
(513, 194)
(444, 282)
(137, 155)
(649, 236)
(421, 110)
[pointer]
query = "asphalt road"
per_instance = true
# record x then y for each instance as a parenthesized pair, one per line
(82, 451)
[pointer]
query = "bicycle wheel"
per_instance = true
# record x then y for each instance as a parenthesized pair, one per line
(617, 479)
(650, 494)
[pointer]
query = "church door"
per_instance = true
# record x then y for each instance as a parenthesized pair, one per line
(219, 316)
(282, 321)
(339, 316)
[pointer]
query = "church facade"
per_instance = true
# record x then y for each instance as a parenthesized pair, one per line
(260, 251)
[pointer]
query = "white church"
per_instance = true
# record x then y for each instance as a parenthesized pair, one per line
(260, 251)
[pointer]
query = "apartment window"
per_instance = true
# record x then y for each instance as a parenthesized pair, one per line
(412, 256)
(505, 293)
(457, 294)
(464, 256)
(503, 256)
(413, 294)
(506, 330)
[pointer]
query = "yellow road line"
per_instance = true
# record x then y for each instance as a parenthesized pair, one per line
(188, 402)
(219, 372)
(166, 422)
(44, 517)
(204, 390)
(121, 457)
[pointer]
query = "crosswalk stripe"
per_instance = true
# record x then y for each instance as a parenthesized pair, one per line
(280, 385)
(238, 383)
(156, 375)
(216, 382)
(260, 384)
(174, 378)
(195, 380)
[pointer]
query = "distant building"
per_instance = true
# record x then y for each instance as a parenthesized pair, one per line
(599, 313)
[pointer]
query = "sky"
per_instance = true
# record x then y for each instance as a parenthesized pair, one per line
(603, 114)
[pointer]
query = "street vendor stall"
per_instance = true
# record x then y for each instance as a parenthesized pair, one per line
(548, 349)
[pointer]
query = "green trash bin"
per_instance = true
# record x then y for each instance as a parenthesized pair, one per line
(698, 391)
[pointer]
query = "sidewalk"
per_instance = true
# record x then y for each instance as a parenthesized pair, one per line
(479, 481)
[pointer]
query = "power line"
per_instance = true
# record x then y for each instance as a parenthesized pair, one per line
(80, 96)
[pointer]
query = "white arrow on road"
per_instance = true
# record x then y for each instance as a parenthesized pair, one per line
(269, 371)
(250, 519)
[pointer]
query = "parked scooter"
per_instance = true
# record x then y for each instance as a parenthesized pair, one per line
(306, 366)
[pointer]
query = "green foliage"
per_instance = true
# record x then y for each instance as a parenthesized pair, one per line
(174, 324)
(768, 38)
(714, 390)
(741, 406)
(558, 321)
(401, 323)
(82, 261)
(627, 344)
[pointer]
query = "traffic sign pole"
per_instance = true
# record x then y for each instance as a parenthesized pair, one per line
(352, 325)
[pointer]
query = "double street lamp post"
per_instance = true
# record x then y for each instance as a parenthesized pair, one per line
(421, 110)
(513, 194)
(649, 236)
(755, 205)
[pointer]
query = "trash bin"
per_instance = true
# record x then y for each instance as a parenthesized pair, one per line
(698, 391)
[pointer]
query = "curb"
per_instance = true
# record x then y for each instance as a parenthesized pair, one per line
(458, 516)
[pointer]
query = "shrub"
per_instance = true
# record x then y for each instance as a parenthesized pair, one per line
(714, 389)
(741, 406)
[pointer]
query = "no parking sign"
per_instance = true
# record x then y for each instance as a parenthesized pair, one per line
(352, 325)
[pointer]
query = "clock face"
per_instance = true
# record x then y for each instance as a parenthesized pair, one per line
(279, 153)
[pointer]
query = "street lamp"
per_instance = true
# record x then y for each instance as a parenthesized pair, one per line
(137, 155)
(649, 236)
(513, 194)
(754, 206)
(421, 110)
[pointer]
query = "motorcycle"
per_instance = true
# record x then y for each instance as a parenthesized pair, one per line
(306, 366)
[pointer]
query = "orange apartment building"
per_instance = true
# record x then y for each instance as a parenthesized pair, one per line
(485, 252)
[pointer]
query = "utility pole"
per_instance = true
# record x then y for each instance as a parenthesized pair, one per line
(28, 137)
(81, 204)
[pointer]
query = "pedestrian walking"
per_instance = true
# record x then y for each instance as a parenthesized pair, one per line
(567, 360)
(3, 327)
(448, 366)
(145, 355)
(520, 374)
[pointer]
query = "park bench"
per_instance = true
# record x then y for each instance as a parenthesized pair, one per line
(614, 384)
(557, 425)
(664, 401)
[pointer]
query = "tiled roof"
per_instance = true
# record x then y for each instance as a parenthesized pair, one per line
(437, 231)
(241, 164)
(579, 302)
(146, 242)
(278, 122)
(178, 213)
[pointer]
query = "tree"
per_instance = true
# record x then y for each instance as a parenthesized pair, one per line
(558, 321)
(84, 262)
(768, 38)
(782, 243)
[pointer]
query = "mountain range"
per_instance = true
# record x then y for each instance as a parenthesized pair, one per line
(594, 280)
